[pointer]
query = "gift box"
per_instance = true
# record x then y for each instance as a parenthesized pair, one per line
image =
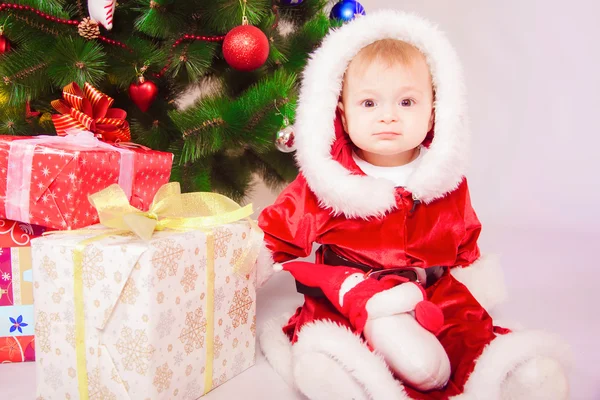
(16, 291)
(120, 317)
(45, 180)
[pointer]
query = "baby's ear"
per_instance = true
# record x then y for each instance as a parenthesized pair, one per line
(431, 120)
(343, 115)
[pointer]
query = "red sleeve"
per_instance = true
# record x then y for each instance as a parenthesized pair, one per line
(292, 223)
(468, 250)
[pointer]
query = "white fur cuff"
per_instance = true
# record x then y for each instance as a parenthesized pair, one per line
(264, 266)
(484, 279)
(397, 300)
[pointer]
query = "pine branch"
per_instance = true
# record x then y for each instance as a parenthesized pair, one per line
(203, 128)
(77, 60)
(274, 167)
(305, 40)
(159, 18)
(255, 112)
(22, 76)
(56, 8)
(223, 15)
(193, 60)
(303, 12)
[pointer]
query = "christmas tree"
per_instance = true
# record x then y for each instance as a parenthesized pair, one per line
(239, 58)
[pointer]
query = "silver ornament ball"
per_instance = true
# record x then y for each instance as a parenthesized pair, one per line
(285, 140)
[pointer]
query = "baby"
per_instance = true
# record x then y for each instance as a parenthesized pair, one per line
(399, 283)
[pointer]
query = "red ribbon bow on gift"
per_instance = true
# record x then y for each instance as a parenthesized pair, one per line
(89, 110)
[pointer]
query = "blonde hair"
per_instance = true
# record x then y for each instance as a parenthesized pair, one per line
(390, 51)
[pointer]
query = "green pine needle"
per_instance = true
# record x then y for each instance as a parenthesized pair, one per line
(77, 60)
(194, 59)
(160, 21)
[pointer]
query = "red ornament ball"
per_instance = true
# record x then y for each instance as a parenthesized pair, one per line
(246, 48)
(143, 93)
(4, 44)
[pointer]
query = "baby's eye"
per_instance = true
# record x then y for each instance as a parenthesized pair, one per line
(368, 103)
(407, 102)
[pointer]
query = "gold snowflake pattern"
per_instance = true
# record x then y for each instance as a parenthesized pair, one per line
(222, 239)
(239, 363)
(136, 354)
(50, 267)
(221, 380)
(130, 292)
(189, 279)
(219, 298)
(42, 332)
(253, 326)
(192, 334)
(166, 257)
(117, 378)
(92, 269)
(193, 390)
(218, 346)
(240, 307)
(165, 324)
(162, 378)
(97, 391)
(70, 336)
(53, 376)
(237, 254)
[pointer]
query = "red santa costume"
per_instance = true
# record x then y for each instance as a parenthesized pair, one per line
(362, 222)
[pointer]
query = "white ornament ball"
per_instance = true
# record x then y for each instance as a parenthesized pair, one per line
(285, 140)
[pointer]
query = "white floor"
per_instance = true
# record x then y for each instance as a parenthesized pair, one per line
(552, 279)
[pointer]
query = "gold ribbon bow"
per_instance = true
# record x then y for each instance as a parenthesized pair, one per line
(170, 209)
(89, 110)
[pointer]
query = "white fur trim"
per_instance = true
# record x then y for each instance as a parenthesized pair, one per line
(366, 367)
(265, 267)
(277, 348)
(541, 378)
(503, 355)
(397, 300)
(484, 279)
(320, 377)
(349, 284)
(442, 167)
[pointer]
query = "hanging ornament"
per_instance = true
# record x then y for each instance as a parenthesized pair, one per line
(245, 47)
(143, 93)
(291, 2)
(4, 42)
(88, 29)
(285, 138)
(102, 11)
(347, 10)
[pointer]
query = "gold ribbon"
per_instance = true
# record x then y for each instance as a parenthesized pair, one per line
(170, 209)
(210, 311)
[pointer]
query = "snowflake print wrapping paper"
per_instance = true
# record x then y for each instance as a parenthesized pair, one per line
(46, 180)
(148, 310)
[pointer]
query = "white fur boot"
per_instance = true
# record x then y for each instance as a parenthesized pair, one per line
(540, 378)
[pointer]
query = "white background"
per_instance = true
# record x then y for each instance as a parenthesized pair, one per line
(532, 70)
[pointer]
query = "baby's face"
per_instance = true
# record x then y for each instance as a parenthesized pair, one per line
(387, 110)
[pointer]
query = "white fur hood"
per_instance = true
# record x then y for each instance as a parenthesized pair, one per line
(443, 165)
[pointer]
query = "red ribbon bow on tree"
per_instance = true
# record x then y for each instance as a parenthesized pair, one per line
(89, 110)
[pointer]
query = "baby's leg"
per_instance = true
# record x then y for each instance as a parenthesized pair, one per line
(495, 363)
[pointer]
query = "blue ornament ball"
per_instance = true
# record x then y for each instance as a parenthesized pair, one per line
(290, 2)
(346, 10)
